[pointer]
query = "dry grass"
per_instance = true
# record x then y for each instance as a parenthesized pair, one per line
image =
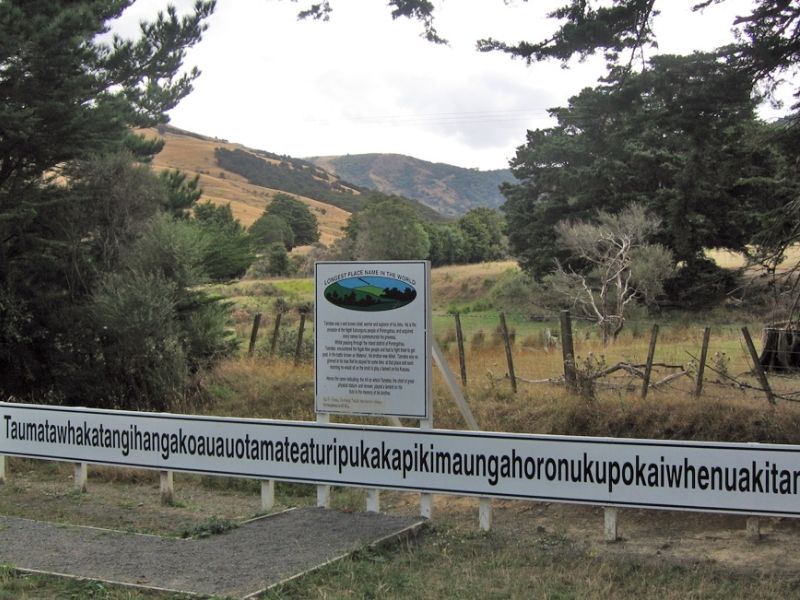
(467, 283)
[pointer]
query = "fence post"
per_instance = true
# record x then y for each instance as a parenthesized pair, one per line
(702, 366)
(509, 356)
(762, 376)
(254, 334)
(568, 351)
(166, 487)
(274, 342)
(648, 369)
(80, 477)
(2, 468)
(462, 359)
(299, 346)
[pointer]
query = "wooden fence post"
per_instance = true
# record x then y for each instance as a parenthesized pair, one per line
(762, 376)
(81, 474)
(648, 369)
(753, 528)
(254, 334)
(462, 359)
(299, 346)
(568, 351)
(610, 524)
(267, 495)
(166, 487)
(702, 366)
(509, 356)
(274, 342)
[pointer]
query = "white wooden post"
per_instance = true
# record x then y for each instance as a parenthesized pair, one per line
(166, 487)
(323, 491)
(374, 495)
(267, 495)
(425, 499)
(753, 528)
(485, 514)
(610, 524)
(373, 501)
(80, 477)
(2, 468)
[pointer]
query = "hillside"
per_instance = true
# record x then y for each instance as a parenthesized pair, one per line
(195, 154)
(450, 190)
(248, 179)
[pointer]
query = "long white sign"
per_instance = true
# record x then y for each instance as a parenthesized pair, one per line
(715, 477)
(372, 345)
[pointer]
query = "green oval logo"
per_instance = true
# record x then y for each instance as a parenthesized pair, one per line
(370, 293)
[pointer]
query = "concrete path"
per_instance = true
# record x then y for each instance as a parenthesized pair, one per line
(239, 563)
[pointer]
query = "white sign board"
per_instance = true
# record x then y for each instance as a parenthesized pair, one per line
(704, 476)
(371, 330)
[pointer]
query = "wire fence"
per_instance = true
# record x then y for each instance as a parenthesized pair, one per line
(682, 359)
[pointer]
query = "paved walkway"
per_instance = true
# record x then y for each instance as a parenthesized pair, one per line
(239, 563)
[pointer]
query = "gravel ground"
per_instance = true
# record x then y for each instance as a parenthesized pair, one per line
(238, 563)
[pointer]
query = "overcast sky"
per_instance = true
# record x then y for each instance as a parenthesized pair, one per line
(363, 83)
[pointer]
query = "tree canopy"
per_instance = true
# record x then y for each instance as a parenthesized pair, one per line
(80, 210)
(673, 138)
(297, 215)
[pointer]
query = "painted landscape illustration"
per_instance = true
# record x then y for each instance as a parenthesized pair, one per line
(370, 293)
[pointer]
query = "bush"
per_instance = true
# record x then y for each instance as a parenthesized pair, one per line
(700, 285)
(143, 363)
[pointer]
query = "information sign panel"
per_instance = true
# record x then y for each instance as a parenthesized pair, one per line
(372, 346)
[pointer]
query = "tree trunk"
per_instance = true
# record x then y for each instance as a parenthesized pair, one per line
(781, 349)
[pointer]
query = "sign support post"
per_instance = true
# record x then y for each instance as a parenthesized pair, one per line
(323, 491)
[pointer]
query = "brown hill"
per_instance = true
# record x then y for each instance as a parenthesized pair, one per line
(195, 155)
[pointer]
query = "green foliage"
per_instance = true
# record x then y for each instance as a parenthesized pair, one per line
(482, 229)
(227, 249)
(181, 194)
(277, 259)
(144, 363)
(73, 202)
(170, 248)
(268, 229)
(448, 245)
(211, 526)
(387, 230)
(651, 138)
(297, 215)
